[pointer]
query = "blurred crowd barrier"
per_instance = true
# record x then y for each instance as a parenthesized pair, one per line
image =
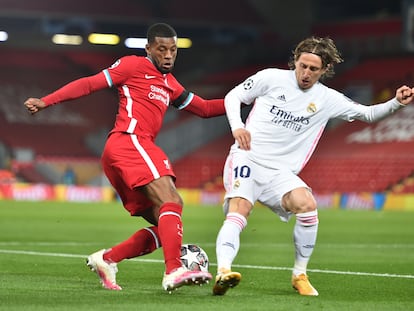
(106, 194)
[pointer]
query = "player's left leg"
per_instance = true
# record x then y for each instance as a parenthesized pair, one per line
(170, 229)
(301, 202)
(163, 194)
(305, 232)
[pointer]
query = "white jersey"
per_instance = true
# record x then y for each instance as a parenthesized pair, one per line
(287, 122)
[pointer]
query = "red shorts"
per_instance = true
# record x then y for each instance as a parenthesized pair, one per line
(129, 162)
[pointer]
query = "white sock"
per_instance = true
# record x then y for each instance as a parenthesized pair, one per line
(228, 240)
(304, 235)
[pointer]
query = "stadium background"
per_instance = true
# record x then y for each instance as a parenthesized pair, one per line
(355, 166)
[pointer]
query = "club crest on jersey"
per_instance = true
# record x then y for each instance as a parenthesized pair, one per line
(167, 164)
(248, 84)
(236, 184)
(311, 108)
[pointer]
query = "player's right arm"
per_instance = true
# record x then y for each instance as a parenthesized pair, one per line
(245, 94)
(34, 105)
(75, 89)
(233, 104)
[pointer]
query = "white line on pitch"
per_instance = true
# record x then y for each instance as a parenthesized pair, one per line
(15, 243)
(281, 245)
(388, 275)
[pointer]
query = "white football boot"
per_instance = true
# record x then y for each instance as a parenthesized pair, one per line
(105, 271)
(183, 276)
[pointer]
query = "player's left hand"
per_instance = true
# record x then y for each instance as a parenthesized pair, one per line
(405, 95)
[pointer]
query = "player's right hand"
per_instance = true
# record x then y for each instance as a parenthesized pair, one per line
(243, 138)
(34, 105)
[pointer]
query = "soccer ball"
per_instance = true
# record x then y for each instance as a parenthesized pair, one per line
(194, 257)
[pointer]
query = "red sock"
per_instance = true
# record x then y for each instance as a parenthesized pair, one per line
(170, 230)
(142, 242)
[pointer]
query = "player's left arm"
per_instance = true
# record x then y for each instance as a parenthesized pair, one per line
(405, 95)
(204, 108)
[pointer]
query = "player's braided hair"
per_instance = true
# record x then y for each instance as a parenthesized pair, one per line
(160, 30)
(323, 47)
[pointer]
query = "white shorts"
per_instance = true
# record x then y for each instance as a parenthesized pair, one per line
(246, 179)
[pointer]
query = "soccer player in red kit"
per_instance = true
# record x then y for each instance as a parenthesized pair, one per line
(138, 169)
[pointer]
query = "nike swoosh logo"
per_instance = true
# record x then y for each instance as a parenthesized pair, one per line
(149, 77)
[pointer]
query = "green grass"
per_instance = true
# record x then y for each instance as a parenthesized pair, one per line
(363, 261)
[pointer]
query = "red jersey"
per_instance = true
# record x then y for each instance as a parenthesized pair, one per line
(144, 95)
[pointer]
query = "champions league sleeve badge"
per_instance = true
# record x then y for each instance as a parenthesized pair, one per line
(248, 84)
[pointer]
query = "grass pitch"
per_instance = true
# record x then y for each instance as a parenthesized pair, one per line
(363, 261)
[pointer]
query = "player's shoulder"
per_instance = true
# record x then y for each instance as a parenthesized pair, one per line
(132, 59)
(329, 90)
(135, 59)
(331, 94)
(126, 61)
(274, 72)
(273, 76)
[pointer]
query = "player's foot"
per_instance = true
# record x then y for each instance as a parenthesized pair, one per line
(183, 276)
(303, 286)
(225, 279)
(105, 271)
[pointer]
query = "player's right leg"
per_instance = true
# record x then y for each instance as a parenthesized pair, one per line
(225, 279)
(227, 246)
(237, 207)
(182, 276)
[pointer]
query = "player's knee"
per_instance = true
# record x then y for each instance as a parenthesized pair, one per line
(240, 206)
(305, 206)
(177, 200)
(172, 198)
(299, 201)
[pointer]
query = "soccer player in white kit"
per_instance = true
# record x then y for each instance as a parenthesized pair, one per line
(290, 111)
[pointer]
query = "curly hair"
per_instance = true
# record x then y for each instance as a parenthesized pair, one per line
(160, 30)
(323, 47)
